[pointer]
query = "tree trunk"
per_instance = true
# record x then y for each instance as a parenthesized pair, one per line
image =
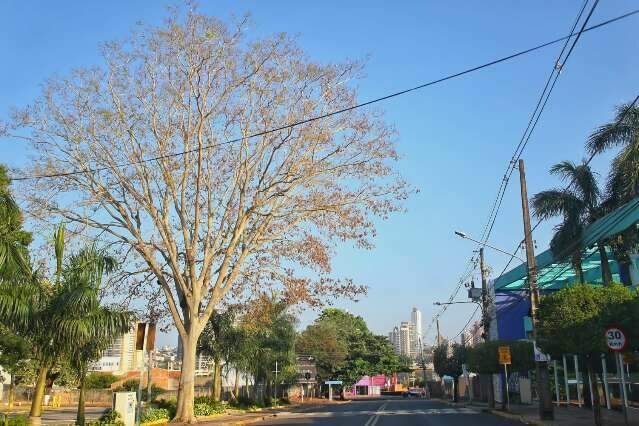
(596, 409)
(216, 369)
(80, 417)
(186, 387)
(576, 263)
(490, 392)
(455, 389)
(218, 382)
(606, 274)
(236, 388)
(12, 392)
(38, 397)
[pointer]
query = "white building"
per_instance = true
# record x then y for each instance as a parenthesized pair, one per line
(121, 357)
(417, 338)
(393, 337)
(404, 338)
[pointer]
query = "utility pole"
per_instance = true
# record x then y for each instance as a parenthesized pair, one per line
(484, 295)
(439, 339)
(546, 409)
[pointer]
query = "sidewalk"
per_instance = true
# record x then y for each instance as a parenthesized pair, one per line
(564, 416)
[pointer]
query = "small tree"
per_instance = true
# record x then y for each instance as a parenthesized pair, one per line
(219, 340)
(14, 359)
(84, 326)
(450, 365)
(100, 380)
(574, 319)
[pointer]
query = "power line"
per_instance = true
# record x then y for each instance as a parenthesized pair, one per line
(532, 123)
(566, 251)
(340, 111)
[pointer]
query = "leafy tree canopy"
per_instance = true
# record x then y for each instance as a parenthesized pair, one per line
(345, 349)
(574, 319)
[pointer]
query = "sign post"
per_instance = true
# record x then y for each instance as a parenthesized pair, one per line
(330, 389)
(505, 359)
(616, 342)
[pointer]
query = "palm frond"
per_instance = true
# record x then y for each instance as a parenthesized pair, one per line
(555, 202)
(617, 132)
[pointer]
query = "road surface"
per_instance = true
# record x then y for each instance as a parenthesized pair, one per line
(390, 412)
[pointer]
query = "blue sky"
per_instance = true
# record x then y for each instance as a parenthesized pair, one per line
(455, 138)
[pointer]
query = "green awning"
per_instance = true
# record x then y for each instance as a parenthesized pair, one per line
(554, 274)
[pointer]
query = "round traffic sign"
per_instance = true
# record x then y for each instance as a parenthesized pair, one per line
(615, 339)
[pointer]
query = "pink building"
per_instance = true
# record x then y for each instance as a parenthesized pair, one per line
(369, 386)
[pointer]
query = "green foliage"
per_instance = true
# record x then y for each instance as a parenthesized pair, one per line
(269, 336)
(208, 408)
(132, 385)
(14, 241)
(323, 341)
(14, 353)
(446, 365)
(574, 319)
(19, 420)
(100, 381)
(345, 349)
(578, 205)
(151, 414)
(221, 338)
(110, 418)
(167, 404)
(484, 357)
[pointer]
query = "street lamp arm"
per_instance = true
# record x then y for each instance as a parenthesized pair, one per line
(463, 235)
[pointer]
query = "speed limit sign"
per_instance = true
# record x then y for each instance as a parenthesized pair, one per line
(615, 339)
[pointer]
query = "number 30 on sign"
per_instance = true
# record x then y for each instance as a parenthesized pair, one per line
(615, 339)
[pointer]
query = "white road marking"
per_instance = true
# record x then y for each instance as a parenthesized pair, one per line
(372, 421)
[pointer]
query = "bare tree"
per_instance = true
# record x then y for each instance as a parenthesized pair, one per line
(137, 151)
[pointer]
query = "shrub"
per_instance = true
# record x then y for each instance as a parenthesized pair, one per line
(151, 414)
(100, 381)
(206, 409)
(168, 405)
(132, 385)
(243, 401)
(21, 420)
(110, 418)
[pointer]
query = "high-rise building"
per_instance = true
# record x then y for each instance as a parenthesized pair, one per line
(404, 338)
(393, 337)
(417, 338)
(121, 357)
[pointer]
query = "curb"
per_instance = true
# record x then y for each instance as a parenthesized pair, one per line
(516, 417)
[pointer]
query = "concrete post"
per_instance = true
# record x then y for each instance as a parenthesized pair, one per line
(566, 381)
(605, 380)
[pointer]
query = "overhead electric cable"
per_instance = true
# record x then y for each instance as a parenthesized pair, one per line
(340, 111)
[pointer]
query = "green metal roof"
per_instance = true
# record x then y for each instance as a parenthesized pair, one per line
(554, 274)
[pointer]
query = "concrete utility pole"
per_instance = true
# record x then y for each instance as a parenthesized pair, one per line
(484, 295)
(439, 340)
(546, 409)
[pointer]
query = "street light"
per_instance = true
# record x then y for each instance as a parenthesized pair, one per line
(465, 236)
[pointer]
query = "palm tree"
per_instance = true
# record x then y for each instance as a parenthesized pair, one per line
(578, 205)
(623, 179)
(622, 132)
(85, 327)
(61, 318)
(14, 241)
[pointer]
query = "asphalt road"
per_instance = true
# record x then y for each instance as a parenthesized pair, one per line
(390, 412)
